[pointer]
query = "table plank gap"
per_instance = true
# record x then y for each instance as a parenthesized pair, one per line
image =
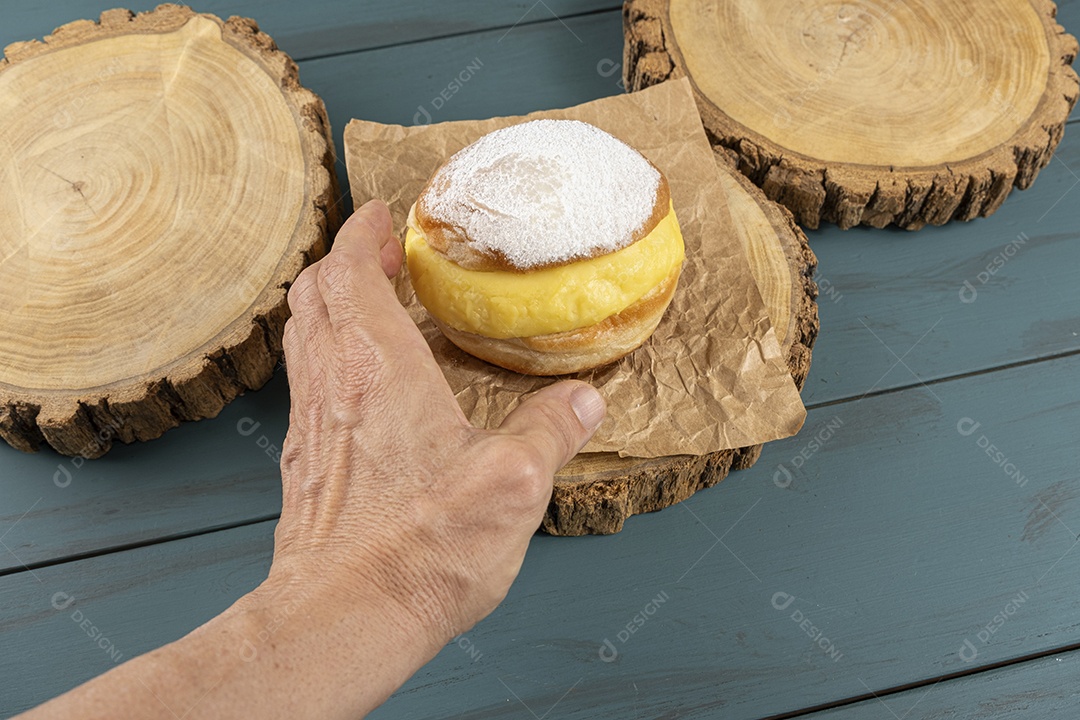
(945, 379)
(1040, 688)
(78, 557)
(878, 695)
(322, 27)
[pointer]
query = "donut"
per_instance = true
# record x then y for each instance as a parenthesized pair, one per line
(548, 247)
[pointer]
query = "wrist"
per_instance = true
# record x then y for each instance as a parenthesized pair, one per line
(406, 589)
(352, 648)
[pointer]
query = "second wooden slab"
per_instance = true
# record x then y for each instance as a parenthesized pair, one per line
(165, 179)
(902, 112)
(596, 492)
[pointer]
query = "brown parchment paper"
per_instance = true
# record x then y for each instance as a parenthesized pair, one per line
(712, 376)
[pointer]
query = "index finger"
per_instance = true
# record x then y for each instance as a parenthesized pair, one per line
(353, 277)
(362, 307)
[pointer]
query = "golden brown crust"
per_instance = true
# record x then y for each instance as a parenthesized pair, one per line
(575, 350)
(446, 239)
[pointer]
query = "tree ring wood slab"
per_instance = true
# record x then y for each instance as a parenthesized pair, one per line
(166, 178)
(879, 112)
(596, 492)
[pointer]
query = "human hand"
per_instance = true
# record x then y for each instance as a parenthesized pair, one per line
(387, 488)
(401, 524)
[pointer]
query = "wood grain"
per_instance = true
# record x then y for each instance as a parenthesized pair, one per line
(157, 205)
(886, 113)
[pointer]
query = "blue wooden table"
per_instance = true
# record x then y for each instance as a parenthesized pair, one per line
(911, 553)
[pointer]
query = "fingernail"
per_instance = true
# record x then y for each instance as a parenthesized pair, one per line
(376, 215)
(588, 406)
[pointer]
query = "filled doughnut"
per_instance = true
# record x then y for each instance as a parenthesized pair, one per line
(547, 247)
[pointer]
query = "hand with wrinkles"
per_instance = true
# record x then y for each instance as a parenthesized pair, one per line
(401, 524)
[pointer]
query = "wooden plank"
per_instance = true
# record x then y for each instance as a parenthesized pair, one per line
(498, 72)
(899, 539)
(321, 27)
(896, 535)
(206, 475)
(961, 298)
(198, 476)
(1043, 688)
(132, 602)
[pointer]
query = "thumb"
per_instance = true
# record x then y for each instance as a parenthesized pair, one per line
(371, 222)
(557, 420)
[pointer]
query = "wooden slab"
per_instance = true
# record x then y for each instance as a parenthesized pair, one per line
(156, 205)
(902, 113)
(596, 492)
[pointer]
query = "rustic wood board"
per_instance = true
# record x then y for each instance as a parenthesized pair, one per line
(205, 475)
(903, 113)
(159, 202)
(572, 594)
(933, 563)
(596, 492)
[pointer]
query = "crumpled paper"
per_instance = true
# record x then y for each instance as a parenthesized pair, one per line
(711, 377)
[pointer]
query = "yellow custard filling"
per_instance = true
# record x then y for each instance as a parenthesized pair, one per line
(502, 304)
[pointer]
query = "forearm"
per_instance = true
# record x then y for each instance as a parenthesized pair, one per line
(289, 652)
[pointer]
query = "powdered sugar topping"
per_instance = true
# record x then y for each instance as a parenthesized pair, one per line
(545, 192)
